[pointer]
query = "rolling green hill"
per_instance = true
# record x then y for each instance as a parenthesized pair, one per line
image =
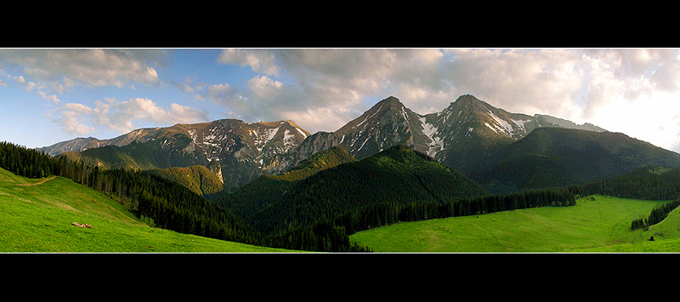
(666, 238)
(36, 215)
(398, 174)
(596, 223)
(267, 189)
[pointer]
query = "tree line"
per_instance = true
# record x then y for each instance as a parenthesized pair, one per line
(333, 235)
(658, 214)
(388, 213)
(644, 183)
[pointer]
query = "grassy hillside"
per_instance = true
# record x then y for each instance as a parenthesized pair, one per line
(36, 216)
(666, 238)
(198, 179)
(595, 223)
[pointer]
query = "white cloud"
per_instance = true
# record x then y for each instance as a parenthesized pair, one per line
(320, 118)
(124, 115)
(223, 95)
(219, 89)
(524, 81)
(70, 116)
(264, 88)
(188, 86)
(53, 98)
(95, 67)
(21, 81)
(260, 61)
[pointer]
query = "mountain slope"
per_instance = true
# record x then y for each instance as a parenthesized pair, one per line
(550, 157)
(198, 179)
(398, 174)
(266, 189)
(468, 130)
(388, 123)
(240, 149)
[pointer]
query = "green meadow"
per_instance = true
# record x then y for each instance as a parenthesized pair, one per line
(594, 224)
(36, 216)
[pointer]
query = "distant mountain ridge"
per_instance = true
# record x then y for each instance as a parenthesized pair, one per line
(470, 136)
(235, 149)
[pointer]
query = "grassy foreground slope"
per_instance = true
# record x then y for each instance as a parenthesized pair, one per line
(36, 216)
(595, 224)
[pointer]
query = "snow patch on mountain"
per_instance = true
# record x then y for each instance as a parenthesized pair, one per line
(288, 139)
(491, 127)
(261, 138)
(403, 113)
(436, 144)
(271, 134)
(520, 124)
(362, 145)
(502, 124)
(368, 118)
(301, 132)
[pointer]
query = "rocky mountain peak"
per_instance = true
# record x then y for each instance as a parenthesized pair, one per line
(466, 100)
(391, 101)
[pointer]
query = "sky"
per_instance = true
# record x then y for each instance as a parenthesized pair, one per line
(52, 95)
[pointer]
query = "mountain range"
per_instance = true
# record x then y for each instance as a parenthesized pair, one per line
(234, 150)
(500, 150)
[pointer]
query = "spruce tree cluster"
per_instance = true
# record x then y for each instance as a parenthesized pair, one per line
(657, 215)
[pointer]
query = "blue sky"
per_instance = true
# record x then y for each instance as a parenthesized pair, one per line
(52, 95)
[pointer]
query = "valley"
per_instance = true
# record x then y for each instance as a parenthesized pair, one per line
(595, 224)
(471, 178)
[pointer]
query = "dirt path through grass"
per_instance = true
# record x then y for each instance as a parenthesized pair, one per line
(38, 183)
